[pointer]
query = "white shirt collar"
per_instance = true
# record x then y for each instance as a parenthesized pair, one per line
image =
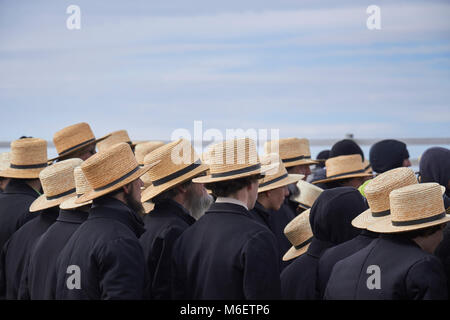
(231, 200)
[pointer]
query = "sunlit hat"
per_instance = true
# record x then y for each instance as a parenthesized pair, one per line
(111, 169)
(148, 206)
(82, 186)
(279, 177)
(114, 138)
(73, 138)
(308, 194)
(5, 160)
(344, 167)
(143, 149)
(377, 194)
(178, 163)
(28, 157)
(58, 184)
(232, 159)
(292, 151)
(413, 207)
(299, 234)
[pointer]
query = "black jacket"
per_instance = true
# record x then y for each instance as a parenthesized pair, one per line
(226, 255)
(39, 278)
(105, 255)
(163, 226)
(15, 253)
(15, 202)
(337, 253)
(405, 271)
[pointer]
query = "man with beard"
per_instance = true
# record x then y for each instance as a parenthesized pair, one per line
(104, 259)
(176, 199)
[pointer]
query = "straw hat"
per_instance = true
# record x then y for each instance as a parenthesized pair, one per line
(367, 166)
(82, 186)
(179, 163)
(148, 206)
(142, 149)
(278, 178)
(73, 138)
(413, 207)
(300, 235)
(58, 184)
(109, 170)
(344, 167)
(232, 159)
(28, 158)
(377, 194)
(292, 151)
(114, 138)
(308, 194)
(5, 159)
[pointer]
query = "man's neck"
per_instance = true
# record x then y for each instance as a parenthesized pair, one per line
(264, 201)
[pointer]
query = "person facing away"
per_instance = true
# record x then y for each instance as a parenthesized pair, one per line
(400, 264)
(103, 258)
(175, 198)
(388, 154)
(226, 254)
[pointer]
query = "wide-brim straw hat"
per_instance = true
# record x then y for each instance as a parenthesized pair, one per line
(5, 160)
(114, 138)
(413, 207)
(73, 138)
(148, 206)
(143, 149)
(308, 194)
(58, 184)
(178, 163)
(377, 194)
(233, 159)
(344, 167)
(28, 157)
(367, 166)
(292, 151)
(111, 169)
(82, 186)
(300, 234)
(278, 176)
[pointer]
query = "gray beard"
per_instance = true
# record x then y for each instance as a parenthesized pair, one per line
(197, 206)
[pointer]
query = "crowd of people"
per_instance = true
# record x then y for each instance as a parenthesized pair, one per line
(155, 220)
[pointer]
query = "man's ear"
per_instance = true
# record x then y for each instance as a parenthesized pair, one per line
(127, 188)
(182, 189)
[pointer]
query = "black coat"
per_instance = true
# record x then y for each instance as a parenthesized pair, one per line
(163, 226)
(337, 253)
(39, 278)
(405, 272)
(226, 255)
(105, 249)
(15, 202)
(298, 280)
(15, 253)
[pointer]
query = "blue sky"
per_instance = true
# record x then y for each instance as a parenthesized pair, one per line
(309, 68)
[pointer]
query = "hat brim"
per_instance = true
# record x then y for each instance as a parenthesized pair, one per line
(299, 163)
(148, 206)
(41, 203)
(71, 204)
(91, 195)
(385, 225)
(78, 148)
(152, 191)
(291, 178)
(210, 179)
(21, 173)
(294, 253)
(355, 175)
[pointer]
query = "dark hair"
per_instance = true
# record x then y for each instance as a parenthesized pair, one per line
(229, 187)
(171, 193)
(421, 232)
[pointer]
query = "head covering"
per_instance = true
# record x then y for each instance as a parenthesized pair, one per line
(346, 147)
(82, 186)
(114, 138)
(322, 157)
(292, 151)
(308, 194)
(299, 234)
(387, 154)
(144, 148)
(435, 166)
(332, 214)
(5, 159)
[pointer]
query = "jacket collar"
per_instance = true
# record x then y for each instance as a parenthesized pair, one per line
(20, 186)
(260, 210)
(111, 208)
(317, 247)
(170, 206)
(72, 216)
(225, 207)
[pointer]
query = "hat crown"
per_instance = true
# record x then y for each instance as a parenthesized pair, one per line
(278, 170)
(29, 151)
(81, 183)
(344, 164)
(299, 229)
(288, 147)
(113, 139)
(143, 149)
(72, 136)
(308, 193)
(415, 202)
(174, 156)
(58, 178)
(107, 167)
(377, 191)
